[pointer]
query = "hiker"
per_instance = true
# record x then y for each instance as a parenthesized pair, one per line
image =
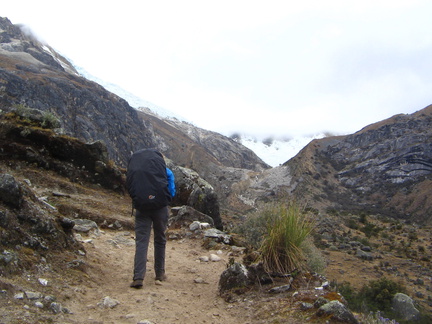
(151, 186)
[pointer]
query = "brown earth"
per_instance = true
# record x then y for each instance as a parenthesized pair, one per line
(189, 295)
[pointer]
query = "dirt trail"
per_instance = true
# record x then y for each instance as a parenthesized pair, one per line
(108, 270)
(179, 300)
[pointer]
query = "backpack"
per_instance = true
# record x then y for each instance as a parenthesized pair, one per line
(146, 180)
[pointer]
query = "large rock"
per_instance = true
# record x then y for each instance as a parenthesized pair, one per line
(337, 311)
(194, 191)
(186, 215)
(10, 190)
(403, 305)
(235, 276)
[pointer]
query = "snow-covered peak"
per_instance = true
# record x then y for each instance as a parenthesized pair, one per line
(277, 151)
(274, 152)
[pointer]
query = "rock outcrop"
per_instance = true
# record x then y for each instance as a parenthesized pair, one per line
(385, 168)
(34, 75)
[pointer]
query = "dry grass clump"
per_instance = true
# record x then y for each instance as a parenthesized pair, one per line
(280, 233)
(281, 249)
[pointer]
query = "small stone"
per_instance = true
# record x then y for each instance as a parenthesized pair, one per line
(205, 225)
(305, 306)
(337, 311)
(280, 289)
(56, 308)
(49, 298)
(66, 310)
(195, 226)
(19, 295)
(33, 295)
(108, 302)
(215, 258)
(204, 258)
(199, 280)
(38, 304)
(320, 302)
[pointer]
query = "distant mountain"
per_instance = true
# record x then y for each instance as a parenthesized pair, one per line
(272, 151)
(383, 169)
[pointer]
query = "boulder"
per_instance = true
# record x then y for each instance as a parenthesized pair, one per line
(10, 191)
(194, 191)
(235, 276)
(186, 215)
(85, 225)
(337, 311)
(218, 236)
(403, 305)
(364, 255)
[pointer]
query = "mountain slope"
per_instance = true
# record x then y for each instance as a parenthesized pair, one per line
(31, 75)
(35, 76)
(385, 168)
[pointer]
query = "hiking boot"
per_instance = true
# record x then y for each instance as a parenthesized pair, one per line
(158, 283)
(161, 277)
(137, 284)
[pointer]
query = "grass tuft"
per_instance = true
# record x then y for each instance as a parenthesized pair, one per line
(286, 230)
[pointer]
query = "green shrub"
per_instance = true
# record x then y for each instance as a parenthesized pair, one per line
(352, 223)
(349, 293)
(370, 230)
(376, 295)
(286, 230)
(35, 117)
(49, 120)
(315, 260)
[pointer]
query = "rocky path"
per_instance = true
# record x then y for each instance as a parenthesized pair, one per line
(190, 295)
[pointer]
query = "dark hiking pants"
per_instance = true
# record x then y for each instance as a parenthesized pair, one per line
(143, 225)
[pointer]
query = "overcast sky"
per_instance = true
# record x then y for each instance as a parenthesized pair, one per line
(281, 68)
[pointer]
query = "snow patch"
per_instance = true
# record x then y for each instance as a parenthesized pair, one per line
(277, 151)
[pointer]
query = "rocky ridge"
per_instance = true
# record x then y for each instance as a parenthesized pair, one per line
(32, 76)
(385, 168)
